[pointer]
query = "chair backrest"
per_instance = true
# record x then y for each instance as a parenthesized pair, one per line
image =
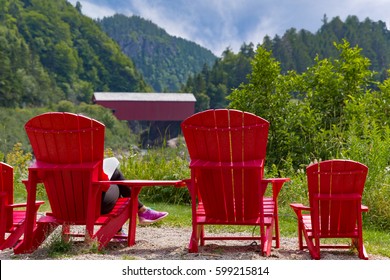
(227, 150)
(7, 189)
(335, 194)
(61, 139)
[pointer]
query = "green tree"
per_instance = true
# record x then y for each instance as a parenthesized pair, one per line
(314, 125)
(267, 95)
(330, 84)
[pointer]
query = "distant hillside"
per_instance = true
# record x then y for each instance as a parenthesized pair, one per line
(164, 60)
(49, 51)
(295, 50)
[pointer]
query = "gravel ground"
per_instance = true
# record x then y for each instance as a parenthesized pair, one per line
(170, 243)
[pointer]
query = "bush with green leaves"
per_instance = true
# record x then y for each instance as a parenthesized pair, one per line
(332, 110)
(159, 164)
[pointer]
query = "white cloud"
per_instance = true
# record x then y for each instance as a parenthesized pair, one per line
(93, 10)
(177, 24)
(218, 24)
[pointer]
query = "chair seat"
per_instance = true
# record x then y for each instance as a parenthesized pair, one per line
(18, 217)
(306, 219)
(268, 217)
(120, 205)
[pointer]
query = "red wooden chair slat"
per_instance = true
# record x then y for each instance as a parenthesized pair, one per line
(335, 196)
(227, 150)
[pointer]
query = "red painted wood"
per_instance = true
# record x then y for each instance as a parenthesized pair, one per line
(147, 106)
(335, 195)
(11, 220)
(227, 150)
(69, 152)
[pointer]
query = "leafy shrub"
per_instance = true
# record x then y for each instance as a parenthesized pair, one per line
(159, 164)
(338, 112)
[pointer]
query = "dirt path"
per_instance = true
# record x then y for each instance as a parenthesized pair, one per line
(168, 243)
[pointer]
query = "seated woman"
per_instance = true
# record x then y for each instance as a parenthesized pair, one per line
(146, 215)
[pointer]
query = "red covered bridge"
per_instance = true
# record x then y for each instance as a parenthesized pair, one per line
(147, 106)
(156, 115)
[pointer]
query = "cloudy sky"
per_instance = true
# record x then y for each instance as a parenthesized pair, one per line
(218, 24)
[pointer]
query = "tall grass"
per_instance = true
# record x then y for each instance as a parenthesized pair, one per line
(370, 145)
(159, 164)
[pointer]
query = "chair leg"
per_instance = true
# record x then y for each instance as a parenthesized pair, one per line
(195, 237)
(66, 232)
(313, 244)
(193, 246)
(201, 234)
(362, 253)
(358, 243)
(300, 235)
(268, 240)
(277, 233)
(314, 248)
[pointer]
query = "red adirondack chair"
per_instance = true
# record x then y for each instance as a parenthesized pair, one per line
(335, 211)
(11, 220)
(227, 150)
(69, 152)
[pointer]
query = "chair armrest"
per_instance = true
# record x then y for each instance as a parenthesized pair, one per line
(277, 184)
(16, 205)
(187, 181)
(299, 207)
(275, 180)
(20, 205)
(364, 208)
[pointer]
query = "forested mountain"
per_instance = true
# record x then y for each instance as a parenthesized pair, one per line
(165, 61)
(212, 85)
(295, 50)
(49, 51)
